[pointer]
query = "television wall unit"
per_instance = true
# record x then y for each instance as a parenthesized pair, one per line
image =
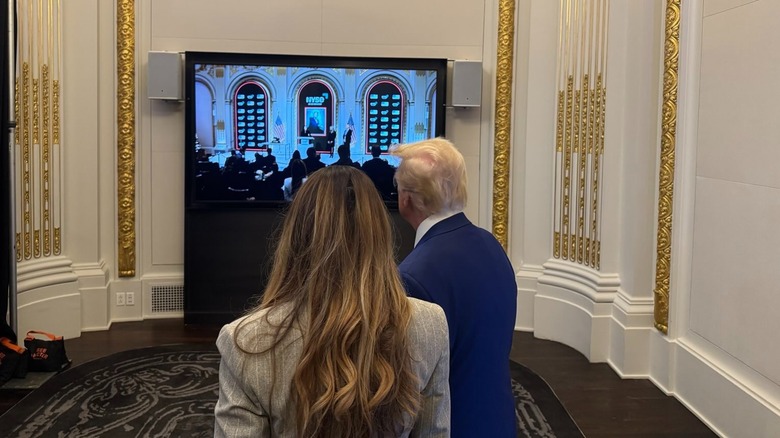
(244, 112)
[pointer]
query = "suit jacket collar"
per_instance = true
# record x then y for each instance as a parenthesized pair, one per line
(445, 226)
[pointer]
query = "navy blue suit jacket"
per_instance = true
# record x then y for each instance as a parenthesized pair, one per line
(464, 269)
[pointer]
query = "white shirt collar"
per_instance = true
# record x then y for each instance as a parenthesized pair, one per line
(430, 221)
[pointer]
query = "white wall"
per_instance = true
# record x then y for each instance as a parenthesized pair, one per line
(721, 356)
(350, 28)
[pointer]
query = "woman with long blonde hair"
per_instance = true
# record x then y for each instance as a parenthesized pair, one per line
(336, 348)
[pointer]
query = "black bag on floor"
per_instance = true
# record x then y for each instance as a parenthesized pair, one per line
(46, 354)
(14, 360)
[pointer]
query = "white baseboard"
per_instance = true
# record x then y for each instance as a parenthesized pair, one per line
(527, 284)
(63, 298)
(727, 396)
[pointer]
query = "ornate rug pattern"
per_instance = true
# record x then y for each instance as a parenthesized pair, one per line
(171, 391)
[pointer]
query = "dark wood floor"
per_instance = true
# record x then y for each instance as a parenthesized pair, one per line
(602, 404)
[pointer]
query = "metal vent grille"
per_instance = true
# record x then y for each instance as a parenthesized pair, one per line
(168, 298)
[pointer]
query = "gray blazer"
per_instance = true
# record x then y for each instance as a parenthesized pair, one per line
(253, 403)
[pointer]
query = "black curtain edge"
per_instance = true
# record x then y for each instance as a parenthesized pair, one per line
(6, 245)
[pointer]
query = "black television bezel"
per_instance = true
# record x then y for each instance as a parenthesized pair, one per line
(191, 58)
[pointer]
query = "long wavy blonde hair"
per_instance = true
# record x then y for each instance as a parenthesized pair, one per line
(334, 268)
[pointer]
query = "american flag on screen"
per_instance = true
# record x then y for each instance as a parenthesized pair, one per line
(279, 128)
(350, 127)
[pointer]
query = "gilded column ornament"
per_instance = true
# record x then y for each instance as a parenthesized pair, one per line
(566, 198)
(598, 151)
(46, 163)
(36, 107)
(18, 239)
(504, 72)
(558, 150)
(579, 130)
(125, 10)
(583, 161)
(26, 164)
(666, 171)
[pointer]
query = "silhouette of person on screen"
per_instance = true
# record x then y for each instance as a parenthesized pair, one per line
(331, 140)
(312, 160)
(344, 159)
(348, 137)
(381, 173)
(295, 176)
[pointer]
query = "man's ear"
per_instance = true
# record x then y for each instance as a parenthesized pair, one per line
(403, 198)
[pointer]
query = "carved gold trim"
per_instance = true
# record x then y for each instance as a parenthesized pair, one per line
(26, 165)
(666, 171)
(503, 123)
(16, 143)
(46, 162)
(583, 161)
(36, 115)
(55, 45)
(594, 259)
(559, 123)
(55, 131)
(566, 188)
(36, 109)
(126, 136)
(579, 128)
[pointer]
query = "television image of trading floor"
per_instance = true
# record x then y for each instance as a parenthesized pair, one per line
(255, 121)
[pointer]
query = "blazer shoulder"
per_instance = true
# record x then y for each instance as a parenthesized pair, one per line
(427, 310)
(428, 322)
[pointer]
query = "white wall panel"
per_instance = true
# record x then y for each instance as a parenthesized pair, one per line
(712, 7)
(403, 23)
(237, 20)
(735, 275)
(81, 147)
(167, 231)
(739, 136)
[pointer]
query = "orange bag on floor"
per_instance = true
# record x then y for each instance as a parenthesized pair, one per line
(46, 354)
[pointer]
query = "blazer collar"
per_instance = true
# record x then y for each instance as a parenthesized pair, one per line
(445, 226)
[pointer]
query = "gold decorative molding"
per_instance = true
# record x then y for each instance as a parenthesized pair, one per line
(26, 173)
(579, 131)
(36, 110)
(46, 162)
(125, 10)
(594, 253)
(666, 171)
(503, 122)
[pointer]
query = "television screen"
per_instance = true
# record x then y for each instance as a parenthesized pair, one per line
(257, 124)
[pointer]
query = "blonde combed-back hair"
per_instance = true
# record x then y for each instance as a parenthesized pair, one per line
(334, 267)
(433, 171)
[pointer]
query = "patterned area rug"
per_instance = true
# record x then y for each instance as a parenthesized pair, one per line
(171, 391)
(539, 412)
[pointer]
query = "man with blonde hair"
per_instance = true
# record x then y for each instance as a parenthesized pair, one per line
(464, 269)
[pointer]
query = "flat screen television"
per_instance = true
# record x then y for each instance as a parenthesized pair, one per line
(257, 124)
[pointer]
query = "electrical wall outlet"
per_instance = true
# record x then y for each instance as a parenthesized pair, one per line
(130, 299)
(120, 298)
